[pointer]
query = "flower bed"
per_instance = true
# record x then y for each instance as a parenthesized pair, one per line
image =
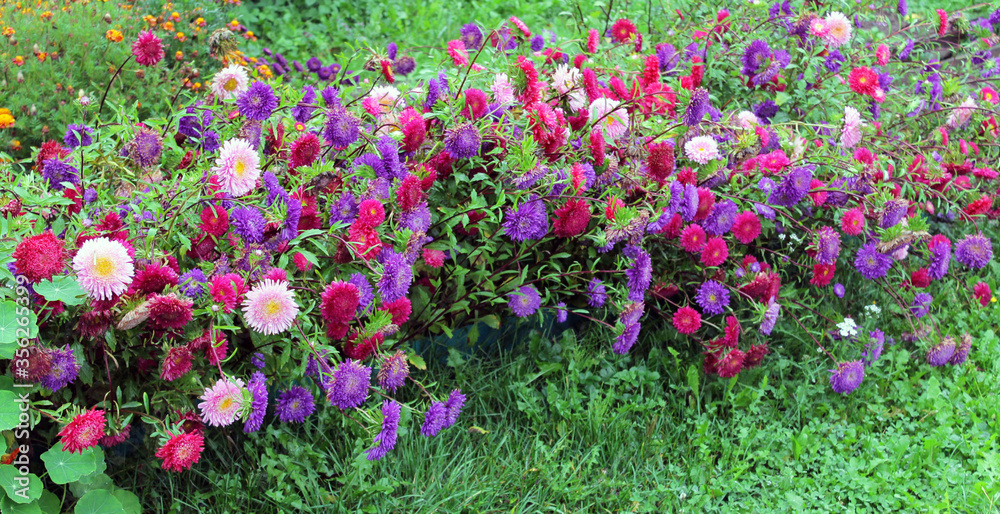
(765, 166)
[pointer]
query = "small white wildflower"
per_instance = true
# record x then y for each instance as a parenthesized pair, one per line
(848, 328)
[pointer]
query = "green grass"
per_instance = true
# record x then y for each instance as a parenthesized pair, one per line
(579, 429)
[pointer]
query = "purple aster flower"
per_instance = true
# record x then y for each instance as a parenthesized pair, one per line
(349, 387)
(314, 64)
(667, 57)
(629, 319)
(331, 96)
(870, 263)
(463, 141)
(537, 43)
(941, 353)
(697, 108)
(386, 438)
(404, 65)
(417, 219)
(192, 283)
(443, 81)
(974, 251)
(393, 371)
(904, 54)
(372, 161)
(712, 297)
(257, 359)
(251, 131)
(873, 350)
(827, 245)
(765, 111)
(902, 8)
(365, 291)
(765, 211)
(248, 223)
(524, 301)
(640, 274)
(833, 61)
(471, 36)
(294, 405)
(257, 102)
(390, 51)
(793, 188)
(456, 400)
(293, 213)
(344, 210)
(389, 149)
(721, 219)
(770, 316)
(962, 351)
(756, 54)
(304, 109)
(89, 195)
(62, 371)
(847, 377)
(55, 172)
(921, 304)
(839, 290)
(258, 405)
(940, 261)
(434, 419)
(596, 295)
(341, 128)
(313, 365)
(397, 275)
(893, 213)
(78, 135)
(561, 312)
(527, 221)
(689, 202)
(210, 141)
(433, 93)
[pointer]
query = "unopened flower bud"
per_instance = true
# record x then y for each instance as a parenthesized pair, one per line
(107, 18)
(32, 111)
(20, 77)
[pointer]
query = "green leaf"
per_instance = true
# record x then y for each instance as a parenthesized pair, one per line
(417, 361)
(15, 323)
(19, 488)
(65, 467)
(7, 506)
(100, 501)
(63, 289)
(130, 502)
(10, 410)
(782, 98)
(692, 376)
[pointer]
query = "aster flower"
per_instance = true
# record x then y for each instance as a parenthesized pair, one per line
(257, 102)
(230, 82)
(527, 221)
(686, 320)
(249, 223)
(921, 304)
(294, 405)
(612, 120)
(270, 308)
(640, 274)
(839, 290)
(103, 268)
(222, 402)
(181, 451)
(702, 149)
(770, 317)
(258, 404)
(146, 148)
(385, 441)
(339, 302)
(838, 30)
(793, 188)
(940, 261)
(349, 386)
(341, 128)
(941, 353)
(721, 219)
(83, 432)
(397, 276)
(697, 108)
(847, 377)
(456, 400)
(746, 227)
(57, 172)
(629, 321)
(974, 251)
(78, 135)
(712, 297)
(981, 292)
(827, 245)
(365, 292)
(850, 135)
(524, 301)
(39, 257)
(62, 370)
(463, 141)
(693, 238)
(962, 351)
(870, 263)
(873, 350)
(238, 167)
(434, 419)
(393, 371)
(596, 295)
(147, 48)
(715, 252)
(169, 312)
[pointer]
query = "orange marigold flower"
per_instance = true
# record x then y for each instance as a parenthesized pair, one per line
(264, 71)
(200, 22)
(180, 37)
(6, 120)
(179, 55)
(42, 56)
(168, 26)
(19, 60)
(175, 17)
(114, 36)
(151, 21)
(9, 31)
(47, 15)
(15, 145)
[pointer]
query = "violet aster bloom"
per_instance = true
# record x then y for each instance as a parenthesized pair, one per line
(873, 350)
(596, 295)
(827, 245)
(463, 141)
(341, 128)
(365, 292)
(893, 213)
(390, 51)
(192, 283)
(257, 359)
(712, 297)
(537, 43)
(721, 219)
(793, 188)
(55, 172)
(940, 261)
(456, 400)
(689, 202)
(78, 135)
(847, 377)
(524, 301)
(765, 111)
(870, 263)
(941, 353)
(839, 290)
(471, 35)
(294, 405)
(561, 312)
(393, 372)
(833, 61)
(962, 351)
(145, 148)
(756, 54)
(63, 369)
(697, 108)
(385, 441)
(314, 64)
(921, 304)
(248, 223)
(666, 56)
(640, 274)
(527, 221)
(257, 102)
(331, 96)
(349, 387)
(629, 319)
(389, 149)
(404, 65)
(974, 251)
(258, 405)
(770, 317)
(304, 109)
(397, 275)
(344, 210)
(434, 419)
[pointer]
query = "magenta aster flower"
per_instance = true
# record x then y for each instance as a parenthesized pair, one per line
(147, 48)
(222, 402)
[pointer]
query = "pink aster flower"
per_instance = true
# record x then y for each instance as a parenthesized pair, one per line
(612, 120)
(230, 82)
(222, 402)
(269, 308)
(990, 95)
(103, 268)
(882, 55)
(147, 49)
(701, 149)
(503, 90)
(181, 451)
(838, 30)
(238, 167)
(851, 133)
(85, 431)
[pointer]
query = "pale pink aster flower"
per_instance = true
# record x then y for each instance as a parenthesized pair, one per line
(850, 135)
(962, 114)
(747, 120)
(567, 79)
(838, 30)
(702, 149)
(103, 268)
(238, 167)
(878, 95)
(230, 81)
(387, 98)
(269, 308)
(503, 90)
(222, 402)
(613, 121)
